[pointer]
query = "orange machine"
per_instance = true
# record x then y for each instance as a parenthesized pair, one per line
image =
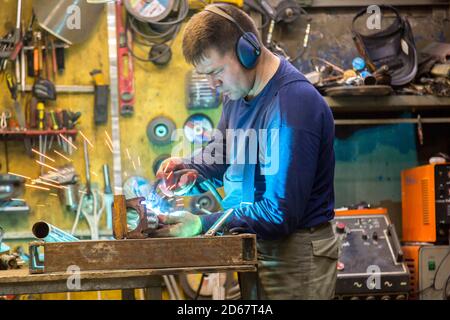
(426, 203)
(360, 212)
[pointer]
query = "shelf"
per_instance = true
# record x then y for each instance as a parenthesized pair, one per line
(387, 103)
(36, 133)
(359, 3)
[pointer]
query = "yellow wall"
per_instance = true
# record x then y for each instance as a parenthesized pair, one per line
(159, 91)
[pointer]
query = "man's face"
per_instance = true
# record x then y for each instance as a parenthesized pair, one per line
(226, 73)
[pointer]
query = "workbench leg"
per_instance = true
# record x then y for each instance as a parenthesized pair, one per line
(128, 294)
(248, 282)
(154, 290)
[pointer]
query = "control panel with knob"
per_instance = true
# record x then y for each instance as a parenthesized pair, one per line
(370, 263)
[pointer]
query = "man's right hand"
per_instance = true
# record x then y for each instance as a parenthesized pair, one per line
(177, 179)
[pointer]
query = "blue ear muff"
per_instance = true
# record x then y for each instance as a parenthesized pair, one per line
(248, 50)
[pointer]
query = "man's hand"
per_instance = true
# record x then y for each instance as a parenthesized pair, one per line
(178, 224)
(176, 177)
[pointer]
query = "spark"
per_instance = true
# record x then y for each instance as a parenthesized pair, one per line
(37, 187)
(50, 180)
(108, 137)
(63, 156)
(110, 148)
(46, 165)
(53, 194)
(139, 161)
(94, 173)
(19, 175)
(68, 141)
(165, 168)
(50, 184)
(134, 166)
(128, 154)
(43, 155)
(85, 138)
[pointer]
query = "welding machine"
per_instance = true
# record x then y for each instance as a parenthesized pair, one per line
(370, 265)
(426, 203)
(429, 267)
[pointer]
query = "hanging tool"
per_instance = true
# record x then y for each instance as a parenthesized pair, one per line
(37, 53)
(41, 113)
(124, 65)
(101, 97)
(108, 197)
(60, 58)
(89, 205)
(12, 86)
(419, 130)
(113, 72)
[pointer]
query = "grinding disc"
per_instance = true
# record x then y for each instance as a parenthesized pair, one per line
(205, 201)
(149, 10)
(198, 129)
(159, 130)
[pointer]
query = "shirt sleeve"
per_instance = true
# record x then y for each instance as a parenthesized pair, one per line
(281, 208)
(210, 161)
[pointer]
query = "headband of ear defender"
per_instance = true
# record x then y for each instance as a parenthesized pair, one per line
(248, 48)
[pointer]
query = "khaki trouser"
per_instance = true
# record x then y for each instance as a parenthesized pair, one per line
(300, 266)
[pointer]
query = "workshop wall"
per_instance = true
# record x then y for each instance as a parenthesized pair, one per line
(159, 91)
(369, 159)
(374, 155)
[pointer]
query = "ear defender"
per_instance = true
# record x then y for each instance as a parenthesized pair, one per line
(248, 50)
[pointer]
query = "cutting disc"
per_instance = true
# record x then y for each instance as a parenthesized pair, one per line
(198, 129)
(160, 129)
(149, 10)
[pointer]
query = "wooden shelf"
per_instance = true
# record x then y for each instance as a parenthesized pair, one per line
(387, 103)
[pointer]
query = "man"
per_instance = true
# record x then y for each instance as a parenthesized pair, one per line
(287, 197)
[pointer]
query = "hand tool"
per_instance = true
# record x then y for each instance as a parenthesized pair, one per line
(4, 118)
(108, 197)
(101, 97)
(115, 114)
(219, 223)
(49, 233)
(60, 58)
(89, 202)
(124, 63)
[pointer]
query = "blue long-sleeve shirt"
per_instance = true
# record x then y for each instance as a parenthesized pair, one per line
(293, 180)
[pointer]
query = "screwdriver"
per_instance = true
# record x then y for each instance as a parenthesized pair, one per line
(41, 113)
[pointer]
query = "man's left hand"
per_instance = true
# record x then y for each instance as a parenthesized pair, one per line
(178, 224)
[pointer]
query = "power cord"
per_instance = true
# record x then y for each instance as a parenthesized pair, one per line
(156, 41)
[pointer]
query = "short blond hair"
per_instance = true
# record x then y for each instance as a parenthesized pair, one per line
(207, 30)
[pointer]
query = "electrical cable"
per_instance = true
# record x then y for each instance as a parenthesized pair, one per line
(199, 287)
(158, 38)
(434, 280)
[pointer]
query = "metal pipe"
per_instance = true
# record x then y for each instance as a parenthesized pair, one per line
(87, 167)
(389, 121)
(219, 223)
(49, 233)
(88, 89)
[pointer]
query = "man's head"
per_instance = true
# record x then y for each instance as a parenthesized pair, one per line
(209, 43)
